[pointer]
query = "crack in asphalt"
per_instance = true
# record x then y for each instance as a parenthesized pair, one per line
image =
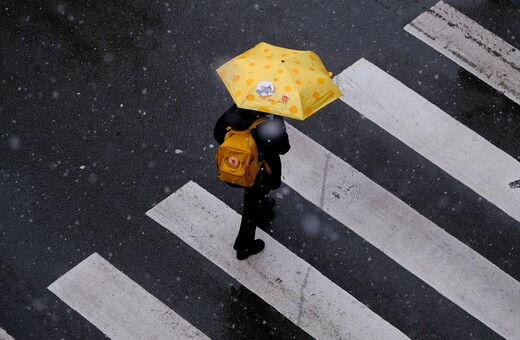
(305, 281)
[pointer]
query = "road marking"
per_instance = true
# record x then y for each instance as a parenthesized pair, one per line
(4, 335)
(118, 306)
(425, 128)
(282, 279)
(417, 244)
(471, 46)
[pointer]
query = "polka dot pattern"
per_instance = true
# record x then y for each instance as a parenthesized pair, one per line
(277, 80)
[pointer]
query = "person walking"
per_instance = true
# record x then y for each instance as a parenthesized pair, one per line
(272, 141)
(284, 83)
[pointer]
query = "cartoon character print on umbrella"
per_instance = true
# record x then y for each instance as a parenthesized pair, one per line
(265, 89)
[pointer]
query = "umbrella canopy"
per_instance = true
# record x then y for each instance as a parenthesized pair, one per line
(280, 81)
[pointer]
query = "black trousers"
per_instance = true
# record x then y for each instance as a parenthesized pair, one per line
(253, 214)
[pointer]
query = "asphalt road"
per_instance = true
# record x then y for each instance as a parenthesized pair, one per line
(108, 107)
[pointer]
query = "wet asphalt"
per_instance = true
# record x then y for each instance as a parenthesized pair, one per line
(108, 107)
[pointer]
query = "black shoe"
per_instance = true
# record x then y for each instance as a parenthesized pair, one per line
(255, 247)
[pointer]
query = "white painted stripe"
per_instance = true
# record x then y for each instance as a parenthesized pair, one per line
(4, 335)
(282, 279)
(434, 134)
(417, 244)
(471, 46)
(118, 306)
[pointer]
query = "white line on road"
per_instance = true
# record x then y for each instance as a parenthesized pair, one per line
(282, 279)
(417, 244)
(471, 46)
(434, 134)
(4, 335)
(118, 306)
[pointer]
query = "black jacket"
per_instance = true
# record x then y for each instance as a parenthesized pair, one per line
(270, 136)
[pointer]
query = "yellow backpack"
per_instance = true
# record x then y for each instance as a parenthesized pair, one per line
(237, 157)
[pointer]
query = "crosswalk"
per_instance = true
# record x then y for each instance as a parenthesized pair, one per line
(432, 133)
(118, 306)
(4, 335)
(471, 46)
(299, 291)
(400, 232)
(279, 277)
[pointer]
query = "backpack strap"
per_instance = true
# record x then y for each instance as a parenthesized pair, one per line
(267, 167)
(256, 123)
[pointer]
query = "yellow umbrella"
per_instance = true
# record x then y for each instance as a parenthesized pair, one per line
(280, 81)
